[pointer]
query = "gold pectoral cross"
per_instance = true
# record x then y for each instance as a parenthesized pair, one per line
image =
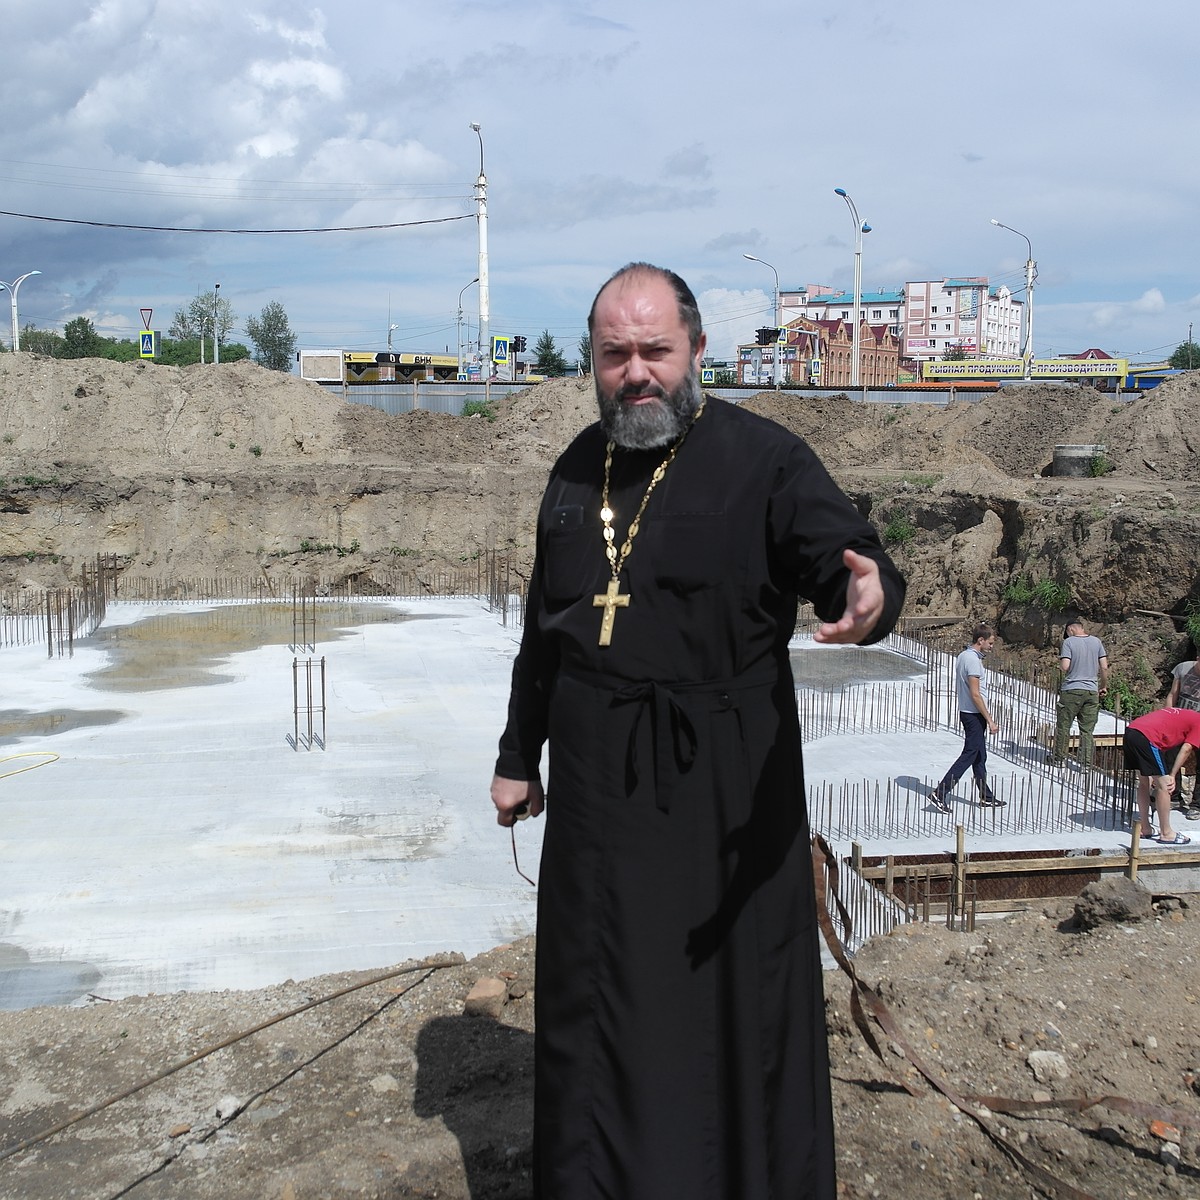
(610, 602)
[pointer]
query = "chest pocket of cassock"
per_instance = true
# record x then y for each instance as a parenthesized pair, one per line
(690, 553)
(574, 561)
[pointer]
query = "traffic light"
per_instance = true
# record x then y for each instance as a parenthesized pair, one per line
(518, 343)
(766, 336)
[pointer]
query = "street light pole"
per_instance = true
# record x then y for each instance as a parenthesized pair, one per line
(860, 227)
(460, 316)
(11, 288)
(775, 353)
(216, 331)
(1030, 276)
(485, 348)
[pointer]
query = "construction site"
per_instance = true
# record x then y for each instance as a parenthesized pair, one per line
(257, 645)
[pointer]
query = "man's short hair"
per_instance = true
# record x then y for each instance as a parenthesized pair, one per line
(981, 633)
(689, 310)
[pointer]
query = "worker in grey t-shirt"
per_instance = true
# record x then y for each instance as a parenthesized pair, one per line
(1084, 663)
(1185, 693)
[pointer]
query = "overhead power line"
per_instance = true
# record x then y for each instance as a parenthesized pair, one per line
(196, 229)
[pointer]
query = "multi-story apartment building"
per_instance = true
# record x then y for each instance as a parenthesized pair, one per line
(960, 314)
(819, 303)
(929, 317)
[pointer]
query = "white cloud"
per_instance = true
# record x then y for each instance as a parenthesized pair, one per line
(603, 145)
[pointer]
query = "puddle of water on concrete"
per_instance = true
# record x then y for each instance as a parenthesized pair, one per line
(172, 650)
(18, 723)
(27, 984)
(821, 670)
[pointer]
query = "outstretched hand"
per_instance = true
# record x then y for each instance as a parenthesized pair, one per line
(864, 602)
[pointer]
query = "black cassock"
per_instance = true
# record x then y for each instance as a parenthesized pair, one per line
(680, 1042)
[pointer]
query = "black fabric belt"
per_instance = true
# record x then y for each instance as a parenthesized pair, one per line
(671, 706)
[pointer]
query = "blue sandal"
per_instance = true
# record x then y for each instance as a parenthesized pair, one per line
(1180, 839)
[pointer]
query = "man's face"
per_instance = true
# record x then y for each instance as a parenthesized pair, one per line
(984, 645)
(647, 376)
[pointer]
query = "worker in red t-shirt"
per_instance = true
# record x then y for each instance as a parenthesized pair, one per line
(1156, 746)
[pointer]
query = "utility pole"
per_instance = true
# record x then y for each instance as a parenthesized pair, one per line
(216, 331)
(485, 345)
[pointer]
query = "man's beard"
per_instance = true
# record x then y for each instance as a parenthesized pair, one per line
(645, 426)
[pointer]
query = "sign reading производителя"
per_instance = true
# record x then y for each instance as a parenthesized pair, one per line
(1014, 368)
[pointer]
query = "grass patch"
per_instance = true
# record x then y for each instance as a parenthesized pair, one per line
(899, 531)
(308, 546)
(480, 408)
(1191, 621)
(1045, 594)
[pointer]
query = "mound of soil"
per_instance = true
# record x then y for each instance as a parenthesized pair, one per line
(395, 1091)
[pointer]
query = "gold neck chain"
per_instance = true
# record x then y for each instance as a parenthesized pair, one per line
(613, 599)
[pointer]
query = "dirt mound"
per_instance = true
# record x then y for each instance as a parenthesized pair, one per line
(239, 417)
(391, 1091)
(1158, 434)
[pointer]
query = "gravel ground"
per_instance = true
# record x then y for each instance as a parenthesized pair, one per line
(393, 1090)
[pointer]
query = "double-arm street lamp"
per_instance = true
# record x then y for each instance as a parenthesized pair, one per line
(11, 288)
(485, 344)
(1030, 276)
(860, 227)
(460, 316)
(775, 355)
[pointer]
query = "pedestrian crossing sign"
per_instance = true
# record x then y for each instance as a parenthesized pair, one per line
(148, 344)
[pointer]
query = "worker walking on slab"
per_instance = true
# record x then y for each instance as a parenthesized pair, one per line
(1084, 663)
(977, 722)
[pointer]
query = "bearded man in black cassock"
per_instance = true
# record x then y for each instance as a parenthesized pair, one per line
(680, 1041)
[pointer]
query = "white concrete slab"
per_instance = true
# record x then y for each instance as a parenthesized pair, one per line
(187, 845)
(180, 841)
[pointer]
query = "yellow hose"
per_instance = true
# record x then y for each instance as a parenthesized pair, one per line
(47, 757)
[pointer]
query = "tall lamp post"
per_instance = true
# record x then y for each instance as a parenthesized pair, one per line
(1030, 276)
(11, 288)
(860, 227)
(775, 352)
(460, 316)
(216, 330)
(485, 346)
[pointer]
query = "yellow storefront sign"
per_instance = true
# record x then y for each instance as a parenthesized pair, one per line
(1041, 368)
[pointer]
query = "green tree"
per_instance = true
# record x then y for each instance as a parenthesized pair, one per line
(195, 323)
(176, 351)
(41, 341)
(120, 351)
(1186, 356)
(185, 329)
(549, 358)
(274, 341)
(80, 339)
(954, 353)
(585, 354)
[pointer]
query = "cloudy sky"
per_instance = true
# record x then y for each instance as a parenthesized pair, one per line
(687, 134)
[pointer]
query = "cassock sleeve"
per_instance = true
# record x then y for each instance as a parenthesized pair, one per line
(810, 522)
(528, 703)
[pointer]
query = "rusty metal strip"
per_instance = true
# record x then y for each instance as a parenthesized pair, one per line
(971, 1106)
